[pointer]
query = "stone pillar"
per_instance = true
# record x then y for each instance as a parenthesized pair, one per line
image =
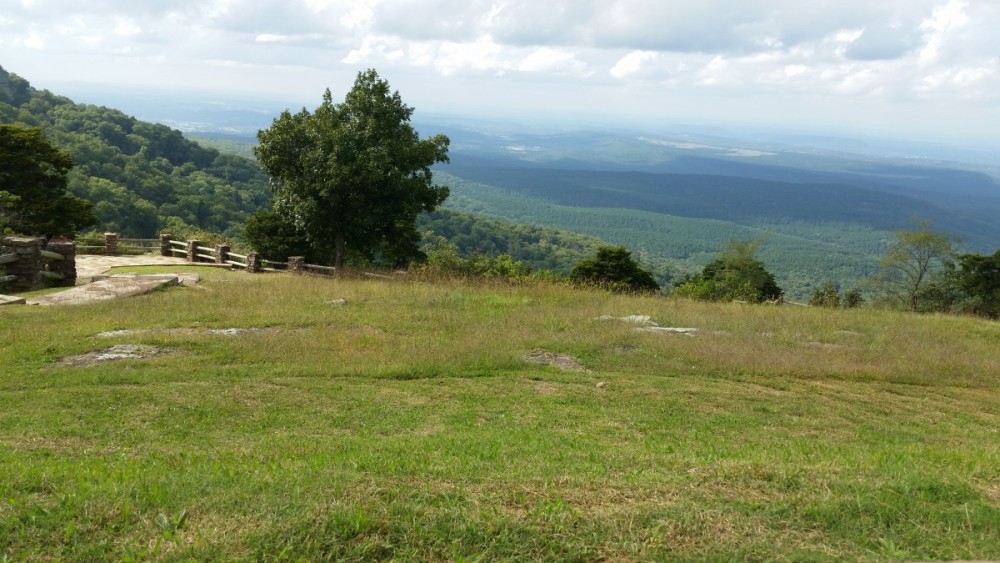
(165, 248)
(192, 250)
(66, 266)
(111, 244)
(28, 264)
(295, 264)
(254, 263)
(222, 253)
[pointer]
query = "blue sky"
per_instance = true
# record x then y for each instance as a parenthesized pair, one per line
(908, 68)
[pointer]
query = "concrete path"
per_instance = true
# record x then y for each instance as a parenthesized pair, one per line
(94, 284)
(114, 287)
(89, 266)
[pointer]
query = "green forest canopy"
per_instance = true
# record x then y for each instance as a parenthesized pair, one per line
(141, 177)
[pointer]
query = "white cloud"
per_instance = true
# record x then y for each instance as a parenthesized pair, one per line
(34, 41)
(127, 28)
(729, 51)
(632, 63)
(938, 28)
(548, 59)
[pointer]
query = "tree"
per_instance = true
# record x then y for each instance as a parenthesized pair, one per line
(354, 176)
(736, 274)
(33, 197)
(979, 278)
(914, 262)
(615, 267)
(276, 238)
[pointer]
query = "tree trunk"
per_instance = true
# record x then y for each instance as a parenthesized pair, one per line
(339, 256)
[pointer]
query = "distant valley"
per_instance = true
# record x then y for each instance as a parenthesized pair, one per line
(825, 205)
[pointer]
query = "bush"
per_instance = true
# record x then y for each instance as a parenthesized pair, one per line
(736, 275)
(614, 267)
(826, 296)
(443, 258)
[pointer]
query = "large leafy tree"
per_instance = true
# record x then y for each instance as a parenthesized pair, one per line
(33, 196)
(354, 176)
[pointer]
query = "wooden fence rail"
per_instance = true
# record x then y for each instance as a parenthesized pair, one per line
(195, 251)
(112, 245)
(27, 263)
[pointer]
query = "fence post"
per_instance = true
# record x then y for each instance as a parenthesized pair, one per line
(222, 253)
(111, 244)
(165, 248)
(66, 266)
(295, 264)
(28, 264)
(253, 263)
(192, 250)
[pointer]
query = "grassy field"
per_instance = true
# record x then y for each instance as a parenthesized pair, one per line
(408, 424)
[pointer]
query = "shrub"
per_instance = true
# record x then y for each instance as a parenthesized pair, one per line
(826, 296)
(615, 268)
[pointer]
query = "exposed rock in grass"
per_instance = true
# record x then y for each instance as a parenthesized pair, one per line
(337, 302)
(119, 352)
(231, 331)
(669, 330)
(647, 324)
(643, 320)
(561, 361)
(235, 331)
(116, 333)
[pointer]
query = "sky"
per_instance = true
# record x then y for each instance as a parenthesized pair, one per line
(927, 69)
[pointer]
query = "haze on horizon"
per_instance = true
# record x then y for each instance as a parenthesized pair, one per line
(927, 69)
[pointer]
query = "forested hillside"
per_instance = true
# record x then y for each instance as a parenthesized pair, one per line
(540, 248)
(142, 177)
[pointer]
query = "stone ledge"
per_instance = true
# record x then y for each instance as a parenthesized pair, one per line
(11, 300)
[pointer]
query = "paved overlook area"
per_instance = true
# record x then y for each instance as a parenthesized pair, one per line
(94, 284)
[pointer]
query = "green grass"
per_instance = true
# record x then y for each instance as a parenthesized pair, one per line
(407, 425)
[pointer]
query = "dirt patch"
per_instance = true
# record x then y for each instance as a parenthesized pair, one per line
(561, 361)
(993, 492)
(545, 388)
(115, 353)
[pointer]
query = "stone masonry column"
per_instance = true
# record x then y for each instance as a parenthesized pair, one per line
(165, 247)
(222, 253)
(111, 244)
(28, 264)
(295, 264)
(192, 250)
(66, 266)
(254, 263)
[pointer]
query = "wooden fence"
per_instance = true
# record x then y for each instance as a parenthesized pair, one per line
(29, 261)
(195, 252)
(112, 245)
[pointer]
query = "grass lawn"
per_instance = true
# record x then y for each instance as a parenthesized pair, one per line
(408, 424)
